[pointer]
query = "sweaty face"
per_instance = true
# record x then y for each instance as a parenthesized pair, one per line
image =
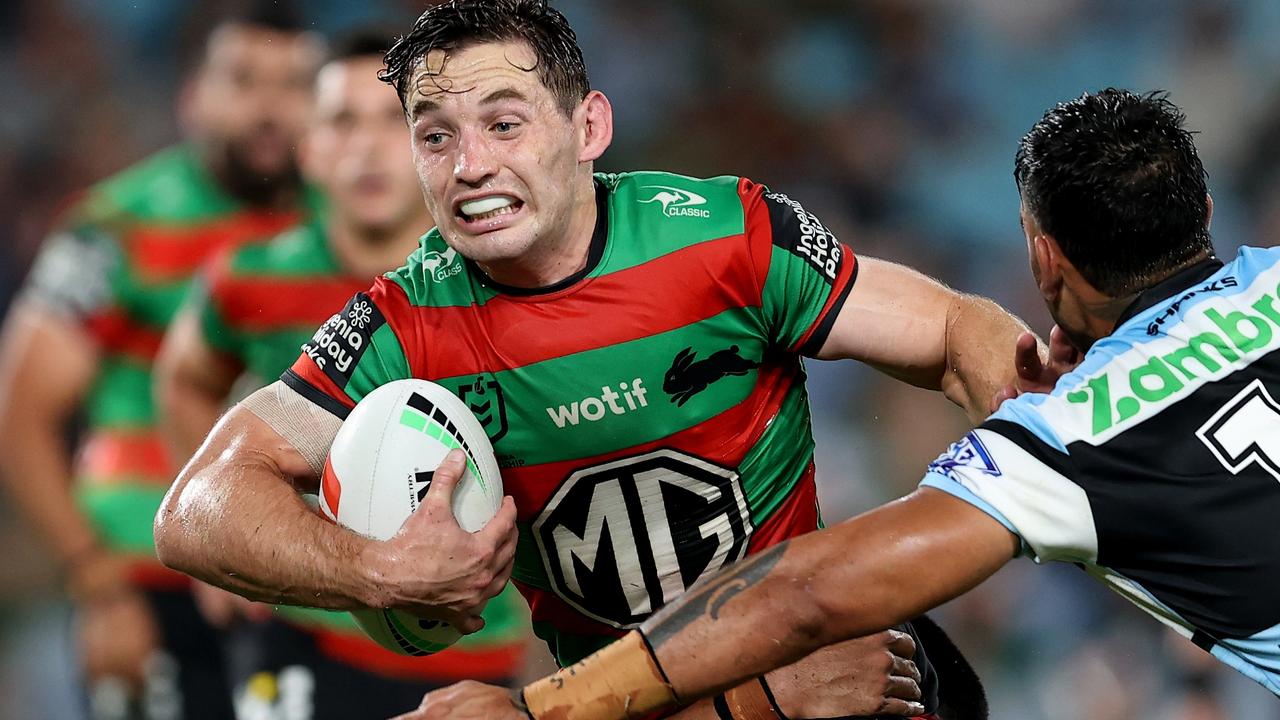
(356, 150)
(496, 157)
(252, 97)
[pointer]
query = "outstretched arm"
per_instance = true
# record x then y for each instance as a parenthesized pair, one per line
(923, 332)
(859, 577)
(848, 581)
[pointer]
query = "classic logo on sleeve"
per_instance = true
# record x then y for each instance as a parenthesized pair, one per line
(968, 452)
(338, 345)
(677, 202)
(800, 232)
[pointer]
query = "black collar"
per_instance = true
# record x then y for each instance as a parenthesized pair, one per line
(1170, 286)
(598, 238)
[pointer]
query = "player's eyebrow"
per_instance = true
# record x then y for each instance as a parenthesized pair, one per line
(422, 105)
(504, 94)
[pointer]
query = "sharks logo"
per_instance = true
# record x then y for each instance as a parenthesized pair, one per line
(483, 397)
(441, 265)
(688, 377)
(677, 202)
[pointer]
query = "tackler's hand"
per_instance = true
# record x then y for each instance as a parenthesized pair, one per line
(1034, 373)
(468, 700)
(873, 675)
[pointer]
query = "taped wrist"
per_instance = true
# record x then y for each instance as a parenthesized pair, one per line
(622, 680)
(751, 700)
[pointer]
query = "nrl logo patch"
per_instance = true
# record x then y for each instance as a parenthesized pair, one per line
(677, 202)
(483, 397)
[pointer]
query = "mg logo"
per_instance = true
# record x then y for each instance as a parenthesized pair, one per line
(622, 539)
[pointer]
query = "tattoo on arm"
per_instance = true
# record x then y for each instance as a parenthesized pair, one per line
(707, 599)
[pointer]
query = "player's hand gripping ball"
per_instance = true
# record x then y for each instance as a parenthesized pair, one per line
(379, 471)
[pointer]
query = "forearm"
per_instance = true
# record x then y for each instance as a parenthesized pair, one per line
(36, 469)
(235, 519)
(774, 608)
(980, 341)
(854, 579)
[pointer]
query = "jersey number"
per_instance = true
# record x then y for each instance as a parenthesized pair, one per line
(620, 540)
(1246, 431)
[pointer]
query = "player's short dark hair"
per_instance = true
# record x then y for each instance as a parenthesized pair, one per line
(361, 43)
(1114, 177)
(462, 23)
(960, 692)
(282, 16)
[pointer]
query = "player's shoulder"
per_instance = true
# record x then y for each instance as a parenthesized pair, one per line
(435, 275)
(652, 214)
(170, 184)
(1196, 335)
(300, 250)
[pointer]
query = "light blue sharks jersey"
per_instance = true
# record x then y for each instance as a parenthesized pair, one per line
(1155, 466)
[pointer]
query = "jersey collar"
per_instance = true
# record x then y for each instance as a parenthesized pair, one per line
(596, 251)
(1170, 286)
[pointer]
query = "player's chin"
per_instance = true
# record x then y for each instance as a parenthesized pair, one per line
(497, 245)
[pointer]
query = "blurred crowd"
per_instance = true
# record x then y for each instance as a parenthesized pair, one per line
(893, 120)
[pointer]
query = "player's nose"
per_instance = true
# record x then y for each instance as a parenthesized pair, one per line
(476, 160)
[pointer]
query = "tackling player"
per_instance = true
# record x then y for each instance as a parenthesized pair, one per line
(1153, 465)
(257, 305)
(83, 338)
(631, 342)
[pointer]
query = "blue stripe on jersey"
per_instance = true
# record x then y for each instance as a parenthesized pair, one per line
(1257, 657)
(938, 481)
(1022, 411)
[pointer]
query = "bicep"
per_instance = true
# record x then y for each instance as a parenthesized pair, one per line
(895, 319)
(47, 365)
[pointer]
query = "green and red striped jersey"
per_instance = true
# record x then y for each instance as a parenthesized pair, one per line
(258, 305)
(649, 412)
(120, 264)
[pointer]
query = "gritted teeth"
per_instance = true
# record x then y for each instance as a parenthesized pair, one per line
(486, 205)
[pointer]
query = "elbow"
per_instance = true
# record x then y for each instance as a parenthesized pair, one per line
(171, 538)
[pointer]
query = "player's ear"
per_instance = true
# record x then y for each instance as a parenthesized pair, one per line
(1208, 216)
(594, 120)
(1048, 262)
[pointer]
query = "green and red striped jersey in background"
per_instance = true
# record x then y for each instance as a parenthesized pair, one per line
(259, 304)
(649, 413)
(120, 264)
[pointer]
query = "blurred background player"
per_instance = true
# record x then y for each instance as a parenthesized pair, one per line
(256, 306)
(82, 340)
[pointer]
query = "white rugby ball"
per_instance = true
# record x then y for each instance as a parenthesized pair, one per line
(378, 472)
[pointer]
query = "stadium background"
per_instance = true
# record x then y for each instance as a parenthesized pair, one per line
(894, 121)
